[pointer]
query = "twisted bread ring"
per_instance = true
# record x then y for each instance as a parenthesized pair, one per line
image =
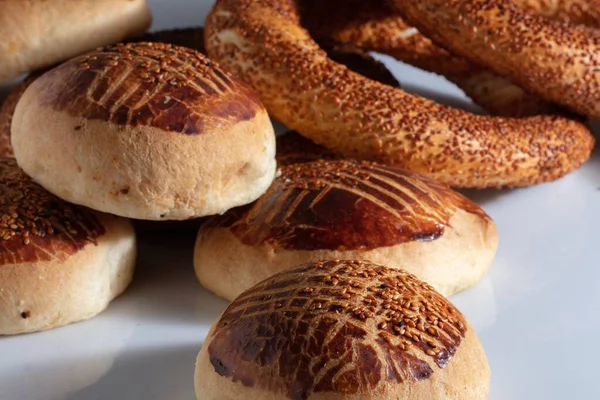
(376, 26)
(556, 61)
(585, 12)
(263, 43)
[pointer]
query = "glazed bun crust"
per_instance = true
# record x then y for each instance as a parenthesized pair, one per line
(349, 210)
(37, 34)
(59, 263)
(341, 330)
(147, 131)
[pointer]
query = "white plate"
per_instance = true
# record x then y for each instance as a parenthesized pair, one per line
(536, 311)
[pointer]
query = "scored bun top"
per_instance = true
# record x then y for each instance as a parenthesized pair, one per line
(348, 327)
(345, 205)
(174, 89)
(37, 226)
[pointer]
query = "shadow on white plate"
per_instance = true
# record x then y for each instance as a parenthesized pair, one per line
(165, 289)
(165, 373)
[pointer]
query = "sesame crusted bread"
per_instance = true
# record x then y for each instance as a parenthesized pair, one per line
(341, 330)
(345, 209)
(38, 33)
(553, 60)
(145, 130)
(59, 263)
(374, 25)
(263, 43)
(584, 12)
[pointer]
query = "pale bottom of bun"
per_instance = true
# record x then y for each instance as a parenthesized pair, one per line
(38, 296)
(466, 377)
(142, 172)
(455, 261)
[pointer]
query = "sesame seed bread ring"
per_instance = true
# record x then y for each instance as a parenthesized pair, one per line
(341, 330)
(147, 131)
(352, 210)
(59, 263)
(375, 26)
(557, 61)
(37, 33)
(585, 12)
(263, 43)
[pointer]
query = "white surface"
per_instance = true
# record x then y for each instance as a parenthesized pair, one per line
(535, 311)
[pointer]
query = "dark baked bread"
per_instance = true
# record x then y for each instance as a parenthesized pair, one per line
(342, 330)
(350, 210)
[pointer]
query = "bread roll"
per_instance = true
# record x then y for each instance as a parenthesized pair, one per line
(39, 33)
(350, 210)
(341, 330)
(147, 131)
(59, 263)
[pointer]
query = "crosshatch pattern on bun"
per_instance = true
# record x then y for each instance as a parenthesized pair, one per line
(353, 210)
(263, 43)
(147, 131)
(59, 263)
(341, 330)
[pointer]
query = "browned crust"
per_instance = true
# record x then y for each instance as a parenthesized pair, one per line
(374, 25)
(366, 325)
(37, 226)
(359, 118)
(345, 205)
(187, 37)
(585, 12)
(172, 88)
(553, 60)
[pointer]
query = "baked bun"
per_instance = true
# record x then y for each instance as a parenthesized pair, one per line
(37, 33)
(343, 330)
(350, 210)
(147, 131)
(59, 263)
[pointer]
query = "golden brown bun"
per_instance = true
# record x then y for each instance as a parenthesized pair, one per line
(349, 210)
(147, 131)
(341, 330)
(188, 37)
(553, 60)
(38, 33)
(59, 263)
(263, 43)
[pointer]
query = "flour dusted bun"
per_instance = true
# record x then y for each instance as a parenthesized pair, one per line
(39, 33)
(341, 330)
(59, 263)
(145, 130)
(351, 210)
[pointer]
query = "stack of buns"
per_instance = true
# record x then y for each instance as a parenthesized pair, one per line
(149, 129)
(337, 245)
